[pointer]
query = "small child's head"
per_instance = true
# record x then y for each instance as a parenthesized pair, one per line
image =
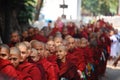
(58, 41)
(34, 55)
(4, 51)
(15, 56)
(61, 52)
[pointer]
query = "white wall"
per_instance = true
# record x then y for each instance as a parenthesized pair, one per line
(51, 9)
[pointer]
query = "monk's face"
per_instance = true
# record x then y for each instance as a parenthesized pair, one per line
(71, 43)
(61, 53)
(15, 37)
(40, 49)
(4, 53)
(58, 41)
(34, 56)
(51, 46)
(84, 43)
(31, 32)
(15, 59)
(65, 31)
(24, 52)
(25, 34)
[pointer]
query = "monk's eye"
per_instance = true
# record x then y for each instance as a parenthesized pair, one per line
(23, 52)
(3, 55)
(32, 57)
(14, 59)
(60, 50)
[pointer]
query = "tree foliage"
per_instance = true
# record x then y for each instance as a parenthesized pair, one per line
(13, 13)
(97, 7)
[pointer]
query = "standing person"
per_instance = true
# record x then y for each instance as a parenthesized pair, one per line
(68, 71)
(39, 59)
(114, 45)
(25, 66)
(6, 68)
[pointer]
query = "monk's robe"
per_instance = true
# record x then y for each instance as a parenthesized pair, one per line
(54, 30)
(30, 69)
(7, 69)
(49, 69)
(105, 40)
(84, 34)
(77, 58)
(68, 71)
(11, 44)
(89, 63)
(71, 30)
(39, 38)
(53, 59)
(88, 52)
(23, 76)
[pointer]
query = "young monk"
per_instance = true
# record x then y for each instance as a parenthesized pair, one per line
(52, 54)
(68, 71)
(39, 59)
(6, 67)
(25, 66)
(75, 55)
(15, 59)
(58, 41)
(15, 38)
(88, 53)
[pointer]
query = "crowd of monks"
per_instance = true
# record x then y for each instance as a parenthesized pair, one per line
(64, 52)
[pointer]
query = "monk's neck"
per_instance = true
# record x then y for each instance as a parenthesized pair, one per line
(63, 60)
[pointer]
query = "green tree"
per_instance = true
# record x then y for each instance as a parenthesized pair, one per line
(97, 7)
(13, 13)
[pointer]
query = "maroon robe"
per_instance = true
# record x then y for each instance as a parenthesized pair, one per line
(39, 38)
(30, 69)
(7, 69)
(23, 76)
(68, 71)
(49, 69)
(77, 58)
(53, 59)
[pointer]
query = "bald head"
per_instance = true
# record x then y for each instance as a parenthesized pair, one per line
(4, 51)
(14, 50)
(15, 56)
(23, 49)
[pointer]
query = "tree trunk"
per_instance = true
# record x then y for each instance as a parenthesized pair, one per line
(38, 8)
(8, 21)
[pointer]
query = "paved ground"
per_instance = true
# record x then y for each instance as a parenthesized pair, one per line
(112, 73)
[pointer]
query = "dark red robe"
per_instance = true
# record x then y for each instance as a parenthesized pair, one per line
(68, 71)
(23, 76)
(39, 38)
(77, 58)
(30, 69)
(53, 60)
(7, 69)
(49, 69)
